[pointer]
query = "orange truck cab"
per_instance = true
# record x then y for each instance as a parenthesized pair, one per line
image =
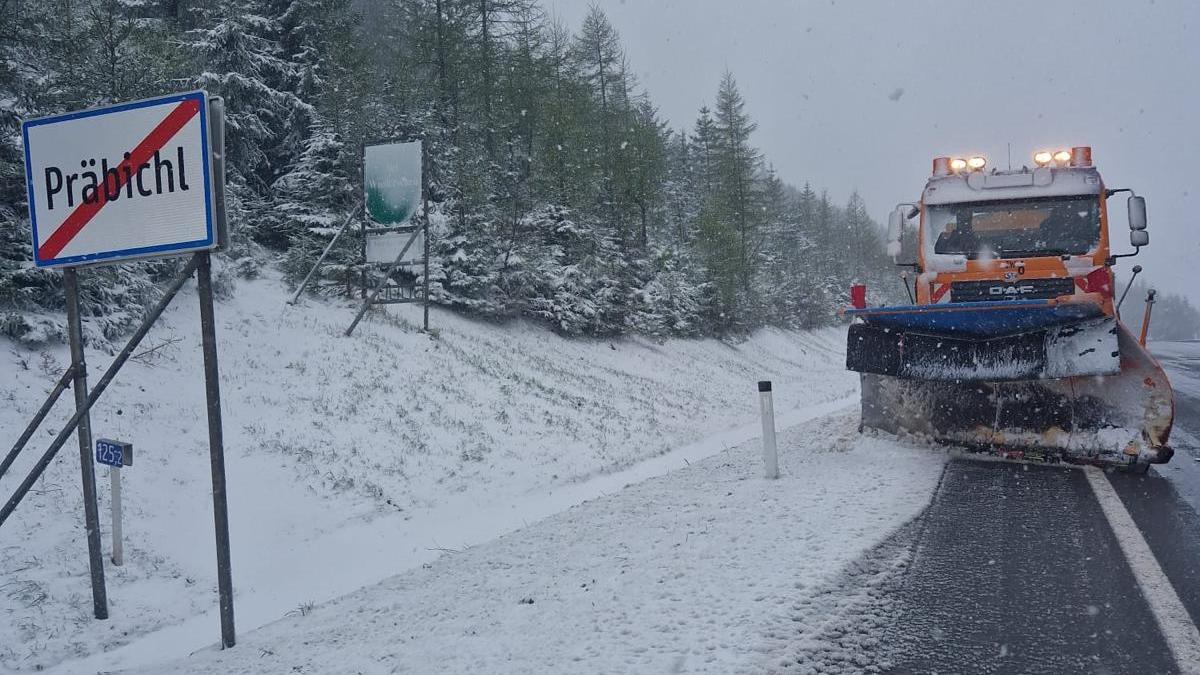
(1027, 234)
(1013, 340)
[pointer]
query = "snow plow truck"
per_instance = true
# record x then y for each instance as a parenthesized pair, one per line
(1014, 343)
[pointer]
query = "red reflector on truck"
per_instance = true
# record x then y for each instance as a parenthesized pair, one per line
(858, 296)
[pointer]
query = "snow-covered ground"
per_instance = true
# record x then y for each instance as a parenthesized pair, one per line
(708, 569)
(352, 460)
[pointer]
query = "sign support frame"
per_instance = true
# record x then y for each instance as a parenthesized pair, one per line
(329, 247)
(200, 263)
(83, 430)
(387, 273)
(69, 428)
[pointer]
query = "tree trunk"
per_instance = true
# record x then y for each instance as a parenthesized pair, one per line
(485, 36)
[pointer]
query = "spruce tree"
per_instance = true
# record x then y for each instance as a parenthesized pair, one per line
(238, 57)
(598, 58)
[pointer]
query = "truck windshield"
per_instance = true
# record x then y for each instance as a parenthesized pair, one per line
(1017, 228)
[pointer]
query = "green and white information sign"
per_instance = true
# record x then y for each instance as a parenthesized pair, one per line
(392, 181)
(392, 176)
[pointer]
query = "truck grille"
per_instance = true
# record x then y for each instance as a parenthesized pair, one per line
(1025, 289)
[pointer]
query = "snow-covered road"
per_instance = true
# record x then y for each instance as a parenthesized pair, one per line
(688, 572)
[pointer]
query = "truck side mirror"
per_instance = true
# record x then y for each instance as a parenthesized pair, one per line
(895, 229)
(1137, 213)
(1139, 238)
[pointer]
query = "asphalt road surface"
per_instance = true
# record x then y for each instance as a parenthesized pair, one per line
(1018, 568)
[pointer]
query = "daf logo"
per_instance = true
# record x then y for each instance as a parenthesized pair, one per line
(1023, 289)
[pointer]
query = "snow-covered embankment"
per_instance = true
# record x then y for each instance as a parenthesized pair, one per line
(708, 569)
(351, 459)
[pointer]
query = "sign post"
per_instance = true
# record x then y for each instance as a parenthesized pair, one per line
(135, 180)
(115, 454)
(118, 539)
(425, 226)
(216, 447)
(91, 516)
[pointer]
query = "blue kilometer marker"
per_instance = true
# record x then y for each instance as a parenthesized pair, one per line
(114, 453)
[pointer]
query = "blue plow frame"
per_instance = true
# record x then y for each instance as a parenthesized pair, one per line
(978, 319)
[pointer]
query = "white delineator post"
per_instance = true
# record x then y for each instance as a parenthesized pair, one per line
(770, 454)
(118, 554)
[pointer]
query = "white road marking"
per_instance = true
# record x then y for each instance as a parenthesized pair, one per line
(1177, 628)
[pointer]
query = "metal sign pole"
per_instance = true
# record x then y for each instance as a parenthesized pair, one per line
(118, 553)
(362, 173)
(216, 446)
(91, 516)
(425, 211)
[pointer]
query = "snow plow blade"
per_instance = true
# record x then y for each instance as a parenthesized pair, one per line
(985, 341)
(1118, 419)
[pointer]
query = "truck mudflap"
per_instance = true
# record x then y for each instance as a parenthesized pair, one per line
(1113, 419)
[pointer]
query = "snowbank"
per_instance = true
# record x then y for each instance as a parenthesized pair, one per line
(703, 570)
(349, 460)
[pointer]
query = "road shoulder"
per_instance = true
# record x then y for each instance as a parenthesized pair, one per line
(684, 572)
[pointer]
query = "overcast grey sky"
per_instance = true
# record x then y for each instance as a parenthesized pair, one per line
(820, 79)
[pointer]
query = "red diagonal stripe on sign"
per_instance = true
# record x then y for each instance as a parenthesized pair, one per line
(83, 213)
